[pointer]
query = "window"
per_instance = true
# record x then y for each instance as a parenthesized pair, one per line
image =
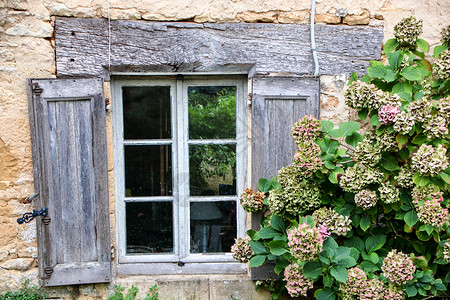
(180, 155)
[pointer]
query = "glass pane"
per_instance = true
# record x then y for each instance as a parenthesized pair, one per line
(212, 112)
(148, 170)
(212, 170)
(213, 226)
(149, 227)
(146, 112)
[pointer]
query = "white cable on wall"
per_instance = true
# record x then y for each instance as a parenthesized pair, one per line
(313, 38)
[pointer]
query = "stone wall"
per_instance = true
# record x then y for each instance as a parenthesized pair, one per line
(27, 51)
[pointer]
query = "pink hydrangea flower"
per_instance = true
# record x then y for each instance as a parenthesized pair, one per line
(387, 113)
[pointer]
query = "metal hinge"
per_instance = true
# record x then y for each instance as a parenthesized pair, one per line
(36, 88)
(29, 216)
(48, 271)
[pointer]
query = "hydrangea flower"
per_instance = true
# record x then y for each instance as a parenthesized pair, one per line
(444, 108)
(241, 250)
(393, 292)
(333, 222)
(387, 114)
(356, 283)
(357, 177)
(430, 160)
(441, 67)
(296, 198)
(366, 199)
(296, 284)
(374, 290)
(382, 99)
(307, 158)
(435, 127)
(367, 152)
(420, 109)
(398, 267)
(407, 31)
(307, 129)
(420, 194)
(358, 94)
(445, 33)
(387, 141)
(446, 252)
(252, 200)
(432, 213)
(305, 242)
(324, 231)
(389, 193)
(405, 177)
(403, 122)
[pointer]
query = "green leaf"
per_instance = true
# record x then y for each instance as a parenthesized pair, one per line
(374, 257)
(376, 71)
(341, 253)
(354, 77)
(390, 45)
(349, 127)
(411, 218)
(419, 139)
(257, 261)
(327, 125)
(421, 262)
(335, 133)
(326, 294)
(312, 269)
(354, 139)
(330, 246)
(367, 265)
(355, 242)
(339, 273)
(328, 280)
(423, 236)
(445, 177)
(365, 78)
(411, 290)
(389, 162)
(395, 60)
(420, 180)
(412, 73)
(258, 247)
(264, 185)
(374, 120)
(251, 233)
(277, 247)
(267, 233)
(438, 50)
(375, 242)
(277, 223)
(423, 45)
(401, 140)
(362, 114)
(334, 174)
(347, 262)
(364, 223)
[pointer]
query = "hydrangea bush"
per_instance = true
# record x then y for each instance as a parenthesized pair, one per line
(365, 216)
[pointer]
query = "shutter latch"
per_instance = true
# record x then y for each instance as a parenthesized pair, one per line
(29, 216)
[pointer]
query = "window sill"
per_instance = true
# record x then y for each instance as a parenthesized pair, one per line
(176, 269)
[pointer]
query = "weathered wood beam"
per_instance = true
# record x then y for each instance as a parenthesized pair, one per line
(82, 47)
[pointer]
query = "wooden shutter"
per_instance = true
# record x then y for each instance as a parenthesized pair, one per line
(68, 134)
(277, 102)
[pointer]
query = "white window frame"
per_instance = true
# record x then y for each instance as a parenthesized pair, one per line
(186, 262)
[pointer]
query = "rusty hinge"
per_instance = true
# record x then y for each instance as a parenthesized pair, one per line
(249, 99)
(48, 271)
(36, 88)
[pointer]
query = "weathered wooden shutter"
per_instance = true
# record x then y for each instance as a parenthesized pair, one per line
(68, 133)
(277, 102)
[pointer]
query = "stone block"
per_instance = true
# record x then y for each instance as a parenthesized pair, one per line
(204, 18)
(255, 17)
(3, 255)
(17, 4)
(122, 14)
(60, 9)
(8, 163)
(289, 17)
(21, 264)
(327, 18)
(362, 19)
(31, 27)
(8, 233)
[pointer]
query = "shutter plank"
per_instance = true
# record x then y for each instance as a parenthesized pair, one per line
(71, 156)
